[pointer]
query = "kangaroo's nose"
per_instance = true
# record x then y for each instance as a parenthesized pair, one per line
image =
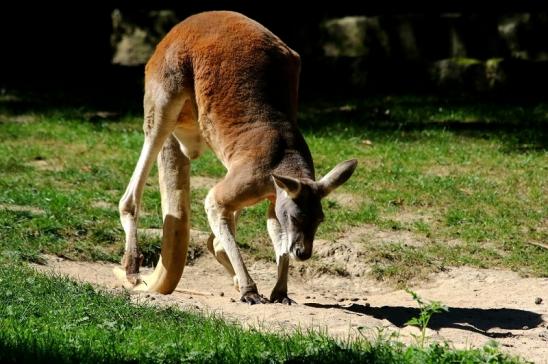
(302, 254)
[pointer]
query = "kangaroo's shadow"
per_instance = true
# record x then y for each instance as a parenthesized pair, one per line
(478, 320)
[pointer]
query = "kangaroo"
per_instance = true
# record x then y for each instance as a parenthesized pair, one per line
(221, 80)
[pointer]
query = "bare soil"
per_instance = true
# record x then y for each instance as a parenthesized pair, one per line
(484, 304)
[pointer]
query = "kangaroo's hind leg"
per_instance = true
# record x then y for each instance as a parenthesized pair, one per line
(174, 176)
(174, 172)
(160, 120)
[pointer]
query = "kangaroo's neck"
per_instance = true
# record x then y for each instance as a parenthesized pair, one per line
(270, 141)
(296, 159)
(296, 166)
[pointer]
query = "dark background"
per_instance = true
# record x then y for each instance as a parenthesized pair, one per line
(65, 48)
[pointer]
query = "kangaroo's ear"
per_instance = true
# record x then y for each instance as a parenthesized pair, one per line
(290, 185)
(337, 176)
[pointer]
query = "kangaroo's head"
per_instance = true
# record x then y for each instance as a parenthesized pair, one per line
(299, 208)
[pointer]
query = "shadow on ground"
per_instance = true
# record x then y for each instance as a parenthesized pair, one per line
(520, 123)
(477, 320)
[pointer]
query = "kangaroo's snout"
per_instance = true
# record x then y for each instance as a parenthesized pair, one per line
(302, 254)
(301, 250)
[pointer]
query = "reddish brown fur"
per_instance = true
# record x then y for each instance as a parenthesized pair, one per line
(245, 82)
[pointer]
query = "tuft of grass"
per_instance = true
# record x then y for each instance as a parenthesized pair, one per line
(427, 309)
(54, 319)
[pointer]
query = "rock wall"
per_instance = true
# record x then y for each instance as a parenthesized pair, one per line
(449, 52)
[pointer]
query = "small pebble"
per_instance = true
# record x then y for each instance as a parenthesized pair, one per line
(221, 294)
(307, 297)
(538, 300)
(152, 298)
(364, 299)
(525, 328)
(189, 297)
(232, 300)
(367, 305)
(354, 299)
(313, 297)
(340, 299)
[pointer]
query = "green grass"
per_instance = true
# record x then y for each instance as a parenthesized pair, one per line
(467, 177)
(53, 319)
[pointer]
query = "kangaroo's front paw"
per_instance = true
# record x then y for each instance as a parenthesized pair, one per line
(276, 297)
(253, 298)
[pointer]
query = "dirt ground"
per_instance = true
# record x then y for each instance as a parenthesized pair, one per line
(484, 304)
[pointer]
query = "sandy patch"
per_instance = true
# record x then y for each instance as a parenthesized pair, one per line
(484, 304)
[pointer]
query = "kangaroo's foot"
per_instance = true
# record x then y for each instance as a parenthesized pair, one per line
(253, 298)
(131, 261)
(279, 297)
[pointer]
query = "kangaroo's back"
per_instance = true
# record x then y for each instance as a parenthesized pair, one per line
(234, 64)
(242, 79)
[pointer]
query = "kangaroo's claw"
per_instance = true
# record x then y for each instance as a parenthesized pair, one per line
(281, 298)
(253, 298)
